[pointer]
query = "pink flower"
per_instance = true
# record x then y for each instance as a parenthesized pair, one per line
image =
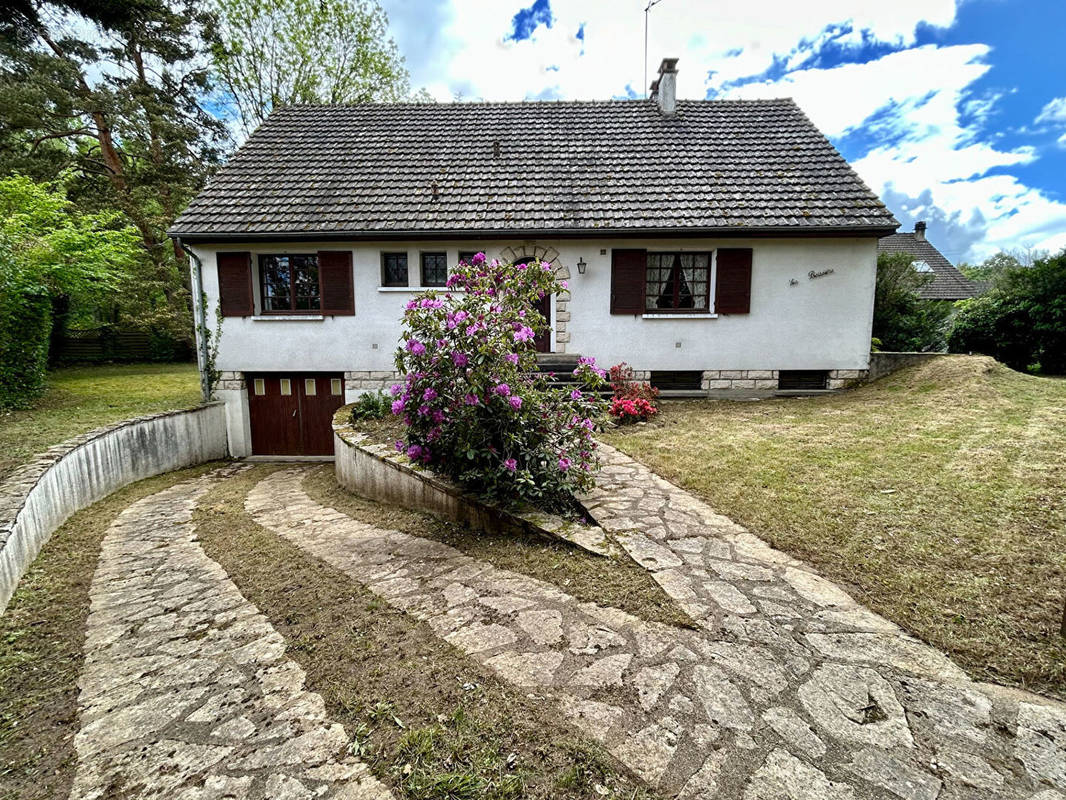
(502, 389)
(395, 389)
(460, 359)
(515, 401)
(423, 410)
(510, 464)
(523, 334)
(414, 452)
(512, 357)
(564, 464)
(411, 305)
(564, 284)
(470, 399)
(399, 446)
(575, 395)
(415, 347)
(397, 406)
(477, 260)
(429, 394)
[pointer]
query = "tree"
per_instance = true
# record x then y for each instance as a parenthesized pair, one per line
(47, 250)
(271, 53)
(902, 320)
(1021, 321)
(122, 110)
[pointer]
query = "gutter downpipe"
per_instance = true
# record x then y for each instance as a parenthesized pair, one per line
(196, 266)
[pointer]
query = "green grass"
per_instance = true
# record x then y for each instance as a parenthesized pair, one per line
(936, 495)
(79, 399)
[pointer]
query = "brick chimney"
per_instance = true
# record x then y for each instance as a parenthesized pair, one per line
(919, 230)
(664, 88)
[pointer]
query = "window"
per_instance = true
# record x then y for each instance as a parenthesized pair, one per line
(434, 269)
(921, 266)
(677, 282)
(336, 386)
(286, 386)
(394, 269)
(468, 255)
(260, 386)
(289, 283)
(309, 387)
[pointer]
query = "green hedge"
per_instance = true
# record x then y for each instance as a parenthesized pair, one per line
(25, 325)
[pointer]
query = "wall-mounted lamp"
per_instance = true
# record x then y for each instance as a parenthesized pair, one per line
(581, 266)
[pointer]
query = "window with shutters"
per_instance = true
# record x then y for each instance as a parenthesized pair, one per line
(394, 269)
(289, 283)
(678, 282)
(434, 269)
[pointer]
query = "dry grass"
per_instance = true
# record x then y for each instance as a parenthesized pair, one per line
(41, 637)
(427, 719)
(82, 398)
(617, 582)
(938, 495)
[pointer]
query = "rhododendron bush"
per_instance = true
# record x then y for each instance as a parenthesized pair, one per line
(633, 401)
(471, 401)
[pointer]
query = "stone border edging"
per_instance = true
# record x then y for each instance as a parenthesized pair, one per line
(379, 473)
(40, 496)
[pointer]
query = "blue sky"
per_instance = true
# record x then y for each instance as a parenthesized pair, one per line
(954, 111)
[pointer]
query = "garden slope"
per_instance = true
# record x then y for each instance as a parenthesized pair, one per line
(938, 495)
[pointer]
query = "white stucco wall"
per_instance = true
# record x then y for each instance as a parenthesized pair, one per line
(822, 323)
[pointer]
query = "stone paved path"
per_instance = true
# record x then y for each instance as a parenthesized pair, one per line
(186, 691)
(788, 690)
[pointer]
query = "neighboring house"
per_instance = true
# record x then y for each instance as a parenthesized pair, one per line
(716, 246)
(947, 283)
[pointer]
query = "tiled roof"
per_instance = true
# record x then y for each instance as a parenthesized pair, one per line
(387, 169)
(947, 284)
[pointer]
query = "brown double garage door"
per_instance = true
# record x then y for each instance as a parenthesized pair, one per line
(291, 413)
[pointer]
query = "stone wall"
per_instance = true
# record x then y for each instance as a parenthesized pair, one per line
(882, 364)
(377, 472)
(372, 380)
(39, 497)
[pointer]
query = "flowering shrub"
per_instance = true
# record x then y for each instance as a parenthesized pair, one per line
(632, 401)
(473, 405)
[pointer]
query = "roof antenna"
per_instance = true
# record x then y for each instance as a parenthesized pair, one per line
(651, 3)
(496, 149)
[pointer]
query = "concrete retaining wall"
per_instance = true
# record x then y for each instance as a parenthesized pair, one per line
(882, 364)
(40, 496)
(377, 472)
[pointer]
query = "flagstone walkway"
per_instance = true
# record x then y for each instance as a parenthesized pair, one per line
(788, 690)
(186, 692)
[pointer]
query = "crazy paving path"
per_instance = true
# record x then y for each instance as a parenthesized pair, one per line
(788, 690)
(186, 692)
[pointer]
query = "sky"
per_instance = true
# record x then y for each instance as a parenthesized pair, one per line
(953, 111)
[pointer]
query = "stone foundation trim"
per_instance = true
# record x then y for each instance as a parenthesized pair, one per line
(40, 496)
(378, 472)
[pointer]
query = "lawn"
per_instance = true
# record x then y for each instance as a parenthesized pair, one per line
(82, 398)
(936, 495)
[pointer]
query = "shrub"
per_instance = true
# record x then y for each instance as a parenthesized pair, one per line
(902, 320)
(25, 322)
(371, 405)
(1021, 321)
(633, 401)
(471, 401)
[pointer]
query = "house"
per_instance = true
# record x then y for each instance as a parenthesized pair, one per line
(715, 246)
(947, 282)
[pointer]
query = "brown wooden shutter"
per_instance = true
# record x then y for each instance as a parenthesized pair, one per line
(628, 275)
(335, 280)
(235, 284)
(732, 293)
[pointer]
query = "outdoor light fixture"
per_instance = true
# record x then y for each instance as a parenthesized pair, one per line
(581, 265)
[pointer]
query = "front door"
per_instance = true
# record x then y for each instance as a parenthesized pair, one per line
(291, 413)
(543, 341)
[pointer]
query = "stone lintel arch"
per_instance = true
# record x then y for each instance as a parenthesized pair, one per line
(516, 252)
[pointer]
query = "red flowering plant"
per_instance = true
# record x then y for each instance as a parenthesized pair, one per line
(633, 401)
(472, 403)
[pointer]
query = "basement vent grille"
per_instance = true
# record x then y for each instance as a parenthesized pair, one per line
(802, 379)
(676, 379)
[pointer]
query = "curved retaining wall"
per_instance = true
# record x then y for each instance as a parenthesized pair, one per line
(39, 497)
(377, 472)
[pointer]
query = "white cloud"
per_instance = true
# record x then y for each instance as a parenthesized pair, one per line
(1054, 111)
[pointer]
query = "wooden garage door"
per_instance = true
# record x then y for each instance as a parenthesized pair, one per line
(291, 412)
